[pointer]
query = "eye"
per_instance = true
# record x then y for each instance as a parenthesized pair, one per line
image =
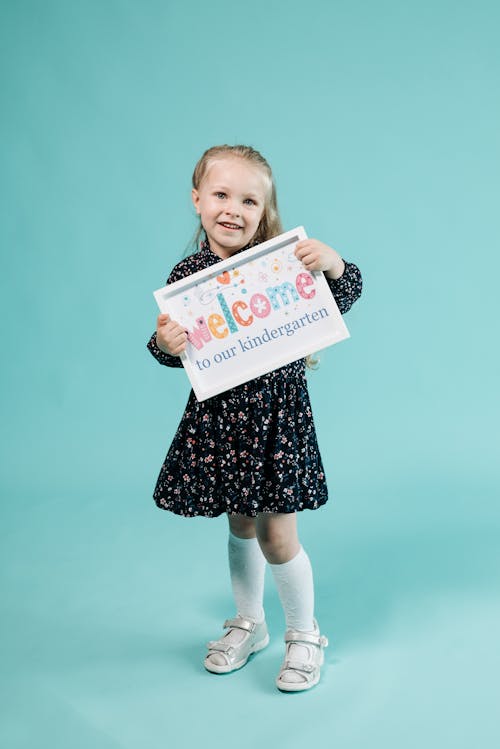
(251, 201)
(220, 195)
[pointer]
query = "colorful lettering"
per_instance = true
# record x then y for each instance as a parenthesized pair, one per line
(283, 289)
(200, 334)
(225, 311)
(235, 309)
(301, 282)
(260, 306)
(215, 322)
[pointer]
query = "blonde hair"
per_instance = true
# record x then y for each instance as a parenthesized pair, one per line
(270, 224)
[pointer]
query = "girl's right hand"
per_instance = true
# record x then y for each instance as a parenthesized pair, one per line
(170, 336)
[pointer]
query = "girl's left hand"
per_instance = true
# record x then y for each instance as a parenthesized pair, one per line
(318, 256)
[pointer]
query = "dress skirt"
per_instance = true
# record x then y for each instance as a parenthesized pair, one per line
(251, 449)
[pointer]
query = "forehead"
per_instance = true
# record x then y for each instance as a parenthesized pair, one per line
(237, 174)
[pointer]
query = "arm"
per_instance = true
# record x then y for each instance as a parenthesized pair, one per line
(343, 278)
(169, 339)
(161, 356)
(347, 288)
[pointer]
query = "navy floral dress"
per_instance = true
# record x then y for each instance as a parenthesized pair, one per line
(253, 448)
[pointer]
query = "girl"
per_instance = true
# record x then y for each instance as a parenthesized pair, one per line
(251, 452)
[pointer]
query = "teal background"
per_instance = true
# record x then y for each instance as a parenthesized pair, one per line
(381, 123)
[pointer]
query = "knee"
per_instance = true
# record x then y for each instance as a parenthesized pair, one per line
(242, 526)
(278, 546)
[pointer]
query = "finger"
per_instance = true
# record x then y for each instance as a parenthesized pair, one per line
(302, 252)
(308, 259)
(306, 249)
(313, 266)
(305, 243)
(163, 319)
(176, 350)
(172, 329)
(177, 339)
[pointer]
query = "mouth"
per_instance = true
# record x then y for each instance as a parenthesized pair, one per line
(227, 225)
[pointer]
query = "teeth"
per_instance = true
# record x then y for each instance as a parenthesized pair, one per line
(231, 226)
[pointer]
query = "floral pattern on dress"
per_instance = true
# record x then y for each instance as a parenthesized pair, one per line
(253, 448)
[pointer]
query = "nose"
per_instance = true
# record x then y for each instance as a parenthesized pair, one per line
(232, 208)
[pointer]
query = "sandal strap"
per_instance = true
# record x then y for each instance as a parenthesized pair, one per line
(312, 639)
(247, 625)
(306, 668)
(240, 623)
(220, 646)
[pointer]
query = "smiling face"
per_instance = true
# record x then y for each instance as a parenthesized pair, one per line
(230, 202)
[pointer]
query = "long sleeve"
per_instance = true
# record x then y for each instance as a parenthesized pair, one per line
(347, 288)
(167, 359)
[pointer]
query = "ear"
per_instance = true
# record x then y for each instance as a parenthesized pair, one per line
(195, 196)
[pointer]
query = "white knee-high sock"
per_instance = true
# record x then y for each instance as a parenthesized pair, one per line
(294, 581)
(247, 566)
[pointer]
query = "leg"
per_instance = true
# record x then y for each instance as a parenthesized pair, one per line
(247, 568)
(277, 534)
(291, 568)
(242, 526)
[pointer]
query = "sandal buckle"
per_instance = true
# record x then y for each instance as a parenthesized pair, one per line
(239, 622)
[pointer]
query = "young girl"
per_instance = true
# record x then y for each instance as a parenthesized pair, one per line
(251, 452)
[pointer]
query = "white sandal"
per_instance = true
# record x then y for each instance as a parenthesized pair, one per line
(309, 670)
(236, 655)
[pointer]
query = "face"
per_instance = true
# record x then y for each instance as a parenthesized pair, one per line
(230, 202)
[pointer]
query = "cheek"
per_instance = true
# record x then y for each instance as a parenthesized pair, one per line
(257, 219)
(209, 214)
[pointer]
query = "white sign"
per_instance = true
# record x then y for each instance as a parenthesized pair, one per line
(250, 314)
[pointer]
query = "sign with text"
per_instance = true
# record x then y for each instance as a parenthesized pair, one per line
(250, 314)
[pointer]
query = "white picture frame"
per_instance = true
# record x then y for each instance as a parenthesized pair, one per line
(250, 314)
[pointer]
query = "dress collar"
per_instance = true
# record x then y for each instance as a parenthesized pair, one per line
(207, 250)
